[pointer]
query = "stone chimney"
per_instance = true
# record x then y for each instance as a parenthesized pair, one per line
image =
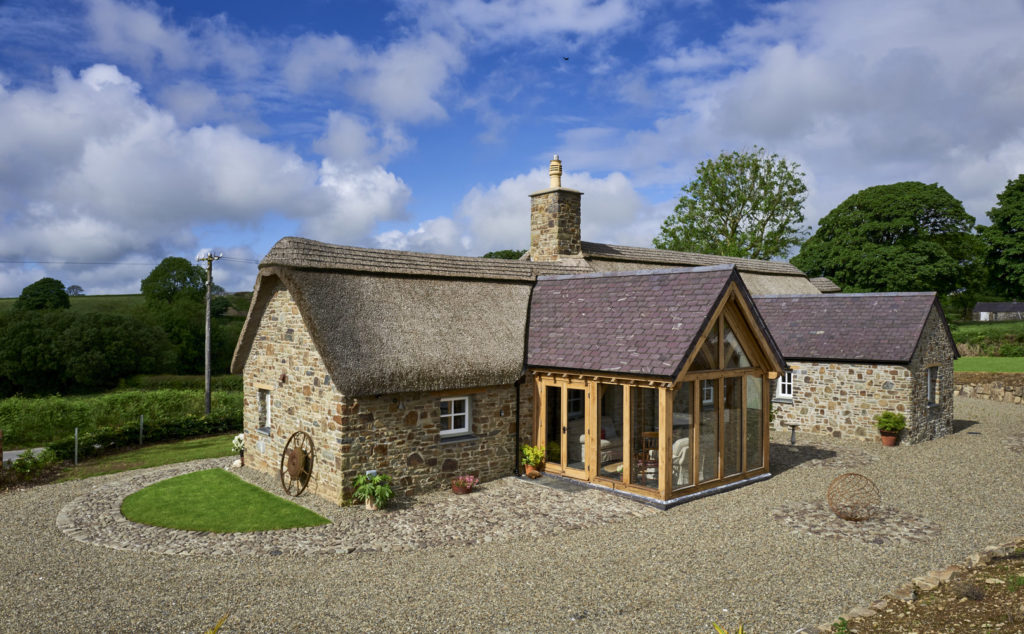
(554, 219)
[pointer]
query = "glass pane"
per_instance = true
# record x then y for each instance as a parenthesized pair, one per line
(644, 436)
(553, 423)
(576, 436)
(732, 426)
(682, 412)
(707, 358)
(446, 408)
(708, 468)
(460, 406)
(734, 355)
(610, 443)
(755, 424)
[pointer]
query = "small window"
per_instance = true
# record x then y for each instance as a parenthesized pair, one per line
(707, 392)
(264, 406)
(933, 385)
(455, 416)
(784, 386)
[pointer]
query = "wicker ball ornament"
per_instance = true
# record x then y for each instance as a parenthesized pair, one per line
(853, 497)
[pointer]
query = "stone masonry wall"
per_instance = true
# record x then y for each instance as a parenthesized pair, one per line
(554, 224)
(842, 399)
(934, 349)
(396, 434)
(989, 391)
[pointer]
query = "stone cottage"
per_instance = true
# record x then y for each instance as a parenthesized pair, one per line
(426, 366)
(998, 311)
(852, 356)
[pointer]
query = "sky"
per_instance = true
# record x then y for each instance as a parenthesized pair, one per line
(131, 131)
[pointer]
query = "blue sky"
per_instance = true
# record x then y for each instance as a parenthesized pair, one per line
(136, 130)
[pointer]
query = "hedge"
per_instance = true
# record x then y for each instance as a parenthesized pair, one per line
(105, 439)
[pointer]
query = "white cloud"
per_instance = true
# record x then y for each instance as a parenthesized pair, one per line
(860, 97)
(143, 35)
(402, 82)
(351, 139)
(498, 216)
(91, 171)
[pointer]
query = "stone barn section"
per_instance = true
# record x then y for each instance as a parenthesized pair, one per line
(853, 356)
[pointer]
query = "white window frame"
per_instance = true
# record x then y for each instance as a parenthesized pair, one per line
(784, 386)
(932, 380)
(264, 400)
(448, 420)
(707, 391)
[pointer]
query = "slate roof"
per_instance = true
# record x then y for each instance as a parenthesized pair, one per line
(999, 307)
(642, 323)
(303, 253)
(861, 327)
(824, 285)
(681, 258)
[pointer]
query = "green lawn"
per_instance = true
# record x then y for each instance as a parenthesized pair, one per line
(153, 456)
(217, 501)
(989, 364)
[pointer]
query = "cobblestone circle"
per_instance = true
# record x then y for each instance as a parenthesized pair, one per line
(888, 527)
(496, 511)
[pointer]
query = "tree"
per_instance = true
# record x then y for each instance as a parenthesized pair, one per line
(47, 293)
(506, 254)
(174, 278)
(743, 204)
(900, 237)
(1005, 240)
(75, 290)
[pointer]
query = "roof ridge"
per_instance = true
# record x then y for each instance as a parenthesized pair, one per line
(837, 295)
(693, 269)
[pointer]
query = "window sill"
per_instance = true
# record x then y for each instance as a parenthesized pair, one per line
(263, 430)
(783, 399)
(456, 438)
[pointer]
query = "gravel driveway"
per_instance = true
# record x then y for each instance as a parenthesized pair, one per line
(738, 557)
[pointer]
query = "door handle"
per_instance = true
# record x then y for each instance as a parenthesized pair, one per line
(563, 429)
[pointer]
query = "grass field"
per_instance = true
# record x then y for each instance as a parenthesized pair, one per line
(966, 330)
(153, 456)
(217, 501)
(989, 364)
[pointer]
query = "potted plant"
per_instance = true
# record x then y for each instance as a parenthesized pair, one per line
(890, 424)
(464, 484)
(533, 457)
(238, 445)
(375, 490)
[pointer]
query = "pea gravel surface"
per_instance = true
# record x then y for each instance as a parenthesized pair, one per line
(727, 558)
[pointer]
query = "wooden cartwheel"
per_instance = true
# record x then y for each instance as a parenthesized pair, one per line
(297, 462)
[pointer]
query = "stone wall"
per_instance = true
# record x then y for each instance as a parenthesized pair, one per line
(988, 390)
(554, 224)
(934, 349)
(397, 434)
(842, 399)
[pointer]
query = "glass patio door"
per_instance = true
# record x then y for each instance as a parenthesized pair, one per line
(565, 429)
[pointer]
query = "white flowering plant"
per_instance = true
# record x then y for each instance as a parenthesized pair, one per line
(238, 443)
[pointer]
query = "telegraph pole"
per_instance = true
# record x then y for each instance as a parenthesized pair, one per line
(209, 259)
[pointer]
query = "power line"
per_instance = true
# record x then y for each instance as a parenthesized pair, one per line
(68, 263)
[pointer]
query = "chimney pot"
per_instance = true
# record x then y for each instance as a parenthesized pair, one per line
(555, 172)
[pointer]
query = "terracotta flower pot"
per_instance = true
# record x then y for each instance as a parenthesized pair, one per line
(460, 490)
(889, 438)
(371, 504)
(532, 471)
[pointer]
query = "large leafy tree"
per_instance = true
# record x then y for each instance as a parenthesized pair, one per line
(172, 279)
(900, 237)
(47, 293)
(743, 204)
(1005, 240)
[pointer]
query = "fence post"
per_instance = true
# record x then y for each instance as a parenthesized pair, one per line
(140, 428)
(76, 446)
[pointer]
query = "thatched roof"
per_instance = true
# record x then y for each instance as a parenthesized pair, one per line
(311, 254)
(859, 327)
(644, 323)
(599, 251)
(825, 285)
(393, 321)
